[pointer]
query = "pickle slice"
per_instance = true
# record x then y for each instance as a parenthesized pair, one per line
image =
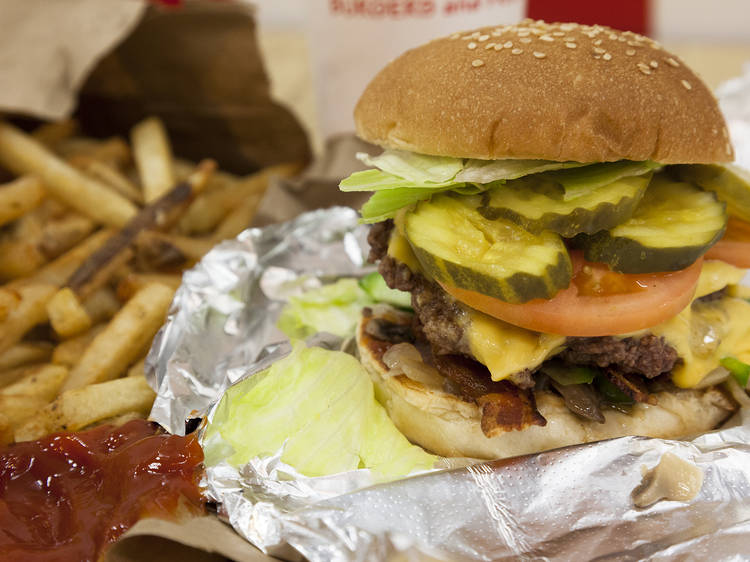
(538, 203)
(730, 183)
(457, 246)
(674, 224)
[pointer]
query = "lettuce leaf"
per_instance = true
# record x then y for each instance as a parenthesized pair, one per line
(581, 181)
(404, 178)
(414, 167)
(333, 308)
(318, 405)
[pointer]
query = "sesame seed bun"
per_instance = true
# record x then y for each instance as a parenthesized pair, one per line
(449, 426)
(548, 91)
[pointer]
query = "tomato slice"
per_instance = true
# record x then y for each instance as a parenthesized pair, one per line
(598, 302)
(734, 246)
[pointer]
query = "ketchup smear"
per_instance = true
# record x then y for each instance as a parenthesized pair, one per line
(68, 495)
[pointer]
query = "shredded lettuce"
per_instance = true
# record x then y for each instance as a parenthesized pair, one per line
(375, 286)
(487, 171)
(320, 407)
(384, 204)
(414, 167)
(333, 308)
(404, 178)
(581, 181)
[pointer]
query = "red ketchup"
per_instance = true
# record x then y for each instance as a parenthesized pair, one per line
(68, 495)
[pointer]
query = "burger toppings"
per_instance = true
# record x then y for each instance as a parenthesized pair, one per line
(673, 226)
(457, 246)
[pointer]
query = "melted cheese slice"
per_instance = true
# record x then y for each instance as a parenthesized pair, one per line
(506, 349)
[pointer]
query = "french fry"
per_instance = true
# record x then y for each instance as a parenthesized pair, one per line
(124, 338)
(160, 214)
(16, 373)
(67, 316)
(237, 220)
(114, 151)
(158, 250)
(52, 134)
(58, 271)
(69, 352)
(153, 158)
(43, 382)
(116, 420)
(75, 409)
(60, 235)
(134, 282)
(9, 299)
(24, 353)
(18, 197)
(19, 409)
(19, 258)
(101, 305)
(30, 311)
(22, 154)
(137, 369)
(108, 175)
(213, 205)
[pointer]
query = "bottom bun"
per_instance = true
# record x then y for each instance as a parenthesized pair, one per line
(446, 425)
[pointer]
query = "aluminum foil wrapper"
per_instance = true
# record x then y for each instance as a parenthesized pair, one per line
(572, 503)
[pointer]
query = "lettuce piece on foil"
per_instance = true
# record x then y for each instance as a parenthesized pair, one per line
(333, 308)
(320, 407)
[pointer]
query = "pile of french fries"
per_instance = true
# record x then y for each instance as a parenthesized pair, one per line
(94, 236)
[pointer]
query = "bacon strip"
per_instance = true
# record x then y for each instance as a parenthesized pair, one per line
(630, 386)
(505, 407)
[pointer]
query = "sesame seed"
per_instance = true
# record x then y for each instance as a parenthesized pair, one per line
(476, 63)
(508, 44)
(646, 70)
(630, 52)
(653, 64)
(466, 37)
(455, 36)
(558, 33)
(499, 46)
(622, 39)
(547, 38)
(634, 43)
(598, 42)
(497, 33)
(525, 40)
(597, 57)
(568, 26)
(539, 54)
(483, 38)
(599, 50)
(688, 85)
(672, 62)
(613, 36)
(516, 51)
(489, 45)
(571, 45)
(523, 33)
(472, 45)
(607, 56)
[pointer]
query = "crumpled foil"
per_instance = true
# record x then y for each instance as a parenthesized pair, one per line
(574, 503)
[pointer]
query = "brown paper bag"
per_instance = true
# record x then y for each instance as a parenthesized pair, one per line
(198, 67)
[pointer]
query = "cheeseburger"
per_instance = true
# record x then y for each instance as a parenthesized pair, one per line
(553, 196)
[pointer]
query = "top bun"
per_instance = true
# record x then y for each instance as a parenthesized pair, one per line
(559, 91)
